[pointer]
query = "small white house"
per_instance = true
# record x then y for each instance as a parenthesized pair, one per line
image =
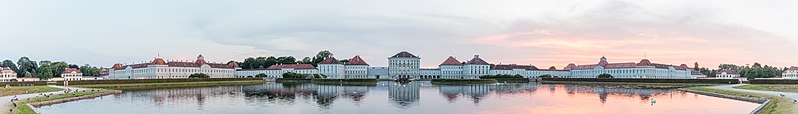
(7, 75)
(727, 74)
(72, 74)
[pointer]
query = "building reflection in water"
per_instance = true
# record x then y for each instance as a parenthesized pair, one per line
(181, 95)
(323, 95)
(402, 96)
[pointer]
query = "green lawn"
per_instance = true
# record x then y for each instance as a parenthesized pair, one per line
(777, 104)
(17, 90)
(24, 109)
(140, 86)
(771, 87)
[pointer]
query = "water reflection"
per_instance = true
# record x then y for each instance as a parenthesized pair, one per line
(296, 97)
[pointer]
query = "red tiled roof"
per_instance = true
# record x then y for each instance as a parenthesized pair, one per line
(793, 68)
(514, 66)
(330, 60)
(404, 54)
(451, 61)
(645, 62)
(7, 70)
(200, 60)
(117, 66)
(477, 60)
(356, 61)
(570, 66)
(70, 70)
(158, 61)
(294, 66)
(683, 66)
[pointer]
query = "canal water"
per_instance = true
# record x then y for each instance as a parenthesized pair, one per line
(410, 98)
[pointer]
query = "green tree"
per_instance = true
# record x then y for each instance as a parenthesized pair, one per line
(199, 75)
(58, 68)
(248, 63)
(605, 75)
(324, 54)
(27, 66)
(292, 75)
(286, 60)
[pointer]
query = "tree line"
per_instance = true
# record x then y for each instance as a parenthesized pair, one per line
(24, 67)
(753, 71)
(266, 62)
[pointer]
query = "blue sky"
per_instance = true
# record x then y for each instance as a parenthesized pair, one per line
(542, 33)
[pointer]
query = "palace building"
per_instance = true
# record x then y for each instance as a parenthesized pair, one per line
(7, 74)
(161, 69)
(643, 69)
(791, 73)
(72, 74)
(404, 65)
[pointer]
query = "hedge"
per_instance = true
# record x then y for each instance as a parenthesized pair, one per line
(129, 81)
(773, 81)
(646, 80)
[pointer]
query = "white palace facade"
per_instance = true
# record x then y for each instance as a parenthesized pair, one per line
(161, 69)
(403, 65)
(407, 65)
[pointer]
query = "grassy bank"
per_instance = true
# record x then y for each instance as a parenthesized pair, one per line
(632, 84)
(512, 80)
(771, 87)
(23, 108)
(462, 81)
(345, 81)
(142, 86)
(16, 90)
(777, 104)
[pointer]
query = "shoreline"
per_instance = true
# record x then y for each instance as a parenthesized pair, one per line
(767, 103)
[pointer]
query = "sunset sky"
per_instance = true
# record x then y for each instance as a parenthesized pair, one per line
(542, 33)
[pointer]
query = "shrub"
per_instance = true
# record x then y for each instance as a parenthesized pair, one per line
(261, 75)
(199, 75)
(605, 75)
(545, 76)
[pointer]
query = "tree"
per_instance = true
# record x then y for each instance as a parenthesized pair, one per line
(324, 54)
(306, 60)
(58, 68)
(248, 63)
(552, 68)
(88, 70)
(27, 66)
(199, 75)
(545, 76)
(344, 60)
(261, 75)
(605, 75)
(73, 66)
(286, 60)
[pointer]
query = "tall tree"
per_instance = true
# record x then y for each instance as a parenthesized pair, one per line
(286, 60)
(324, 54)
(27, 66)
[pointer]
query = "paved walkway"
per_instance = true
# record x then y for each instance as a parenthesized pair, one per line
(6, 100)
(793, 96)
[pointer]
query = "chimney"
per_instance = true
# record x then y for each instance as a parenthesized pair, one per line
(476, 56)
